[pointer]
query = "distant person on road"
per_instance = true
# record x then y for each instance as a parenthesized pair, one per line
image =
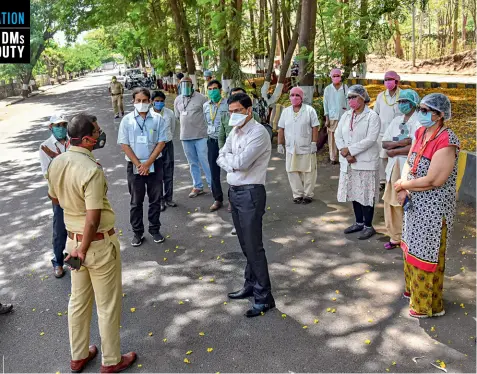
(387, 108)
(189, 110)
(397, 142)
(427, 192)
(142, 137)
(245, 158)
(297, 136)
(76, 182)
(5, 308)
(207, 79)
(177, 88)
(216, 111)
(158, 107)
(50, 149)
(335, 104)
(356, 138)
(116, 90)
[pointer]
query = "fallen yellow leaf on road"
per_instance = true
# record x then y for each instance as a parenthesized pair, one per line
(133, 310)
(299, 221)
(284, 315)
(186, 360)
(164, 340)
(200, 278)
(124, 294)
(167, 250)
(188, 212)
(139, 365)
(218, 257)
(168, 236)
(293, 269)
(60, 314)
(222, 242)
(212, 280)
(394, 363)
(334, 299)
(367, 341)
(333, 310)
(201, 250)
(205, 227)
(177, 247)
(305, 327)
(268, 208)
(201, 333)
(188, 352)
(337, 291)
(210, 236)
(42, 333)
(370, 320)
(442, 364)
(225, 302)
(433, 328)
(328, 309)
(316, 321)
(262, 313)
(165, 259)
(210, 349)
(462, 305)
(181, 302)
(33, 309)
(150, 334)
(387, 369)
(312, 240)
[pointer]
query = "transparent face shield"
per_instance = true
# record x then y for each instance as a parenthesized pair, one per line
(186, 88)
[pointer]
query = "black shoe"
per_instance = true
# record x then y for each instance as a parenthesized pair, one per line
(307, 200)
(298, 200)
(163, 206)
(5, 308)
(158, 238)
(122, 113)
(137, 240)
(116, 116)
(241, 294)
(171, 203)
(367, 233)
(258, 309)
(354, 228)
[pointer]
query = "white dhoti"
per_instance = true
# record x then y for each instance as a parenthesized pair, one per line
(301, 171)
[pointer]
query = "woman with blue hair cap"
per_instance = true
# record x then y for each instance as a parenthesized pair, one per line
(356, 138)
(427, 191)
(397, 140)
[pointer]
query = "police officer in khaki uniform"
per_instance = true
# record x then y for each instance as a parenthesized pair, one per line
(77, 183)
(116, 91)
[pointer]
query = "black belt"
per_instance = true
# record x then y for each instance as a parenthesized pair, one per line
(245, 187)
(116, 94)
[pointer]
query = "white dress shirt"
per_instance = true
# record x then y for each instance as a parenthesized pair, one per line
(53, 144)
(246, 154)
(169, 120)
(335, 102)
(298, 128)
(387, 108)
(394, 133)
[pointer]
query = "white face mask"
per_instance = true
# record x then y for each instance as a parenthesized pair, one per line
(237, 119)
(141, 107)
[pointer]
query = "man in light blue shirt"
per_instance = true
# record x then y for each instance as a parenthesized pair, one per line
(216, 110)
(142, 137)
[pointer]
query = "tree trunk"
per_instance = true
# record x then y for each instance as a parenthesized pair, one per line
(182, 26)
(397, 41)
(267, 25)
(413, 35)
(280, 42)
(285, 12)
(455, 35)
(421, 21)
(180, 44)
(291, 47)
(235, 31)
(252, 29)
(464, 25)
(307, 45)
(271, 57)
(261, 38)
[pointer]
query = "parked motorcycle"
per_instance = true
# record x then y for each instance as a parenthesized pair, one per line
(141, 82)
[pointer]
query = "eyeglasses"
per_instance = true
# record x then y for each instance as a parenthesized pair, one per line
(237, 111)
(351, 97)
(425, 111)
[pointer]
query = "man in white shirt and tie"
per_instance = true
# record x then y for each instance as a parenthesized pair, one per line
(49, 149)
(245, 158)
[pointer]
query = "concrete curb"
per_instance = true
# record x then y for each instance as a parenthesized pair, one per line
(466, 178)
(413, 84)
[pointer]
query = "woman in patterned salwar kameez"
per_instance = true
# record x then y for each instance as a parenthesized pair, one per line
(427, 191)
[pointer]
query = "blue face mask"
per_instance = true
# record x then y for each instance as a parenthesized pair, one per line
(59, 132)
(404, 108)
(158, 105)
(426, 119)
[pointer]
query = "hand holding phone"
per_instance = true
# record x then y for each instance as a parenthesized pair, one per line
(73, 262)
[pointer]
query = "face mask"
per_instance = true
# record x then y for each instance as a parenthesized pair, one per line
(390, 85)
(237, 119)
(214, 95)
(353, 103)
(59, 132)
(141, 107)
(426, 119)
(405, 108)
(186, 88)
(159, 105)
(336, 80)
(296, 100)
(101, 141)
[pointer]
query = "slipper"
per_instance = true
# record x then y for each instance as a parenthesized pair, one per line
(390, 245)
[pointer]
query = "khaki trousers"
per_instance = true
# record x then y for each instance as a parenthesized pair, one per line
(118, 105)
(393, 216)
(100, 279)
(303, 184)
(331, 140)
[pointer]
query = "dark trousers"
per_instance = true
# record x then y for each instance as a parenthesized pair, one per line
(212, 155)
(59, 235)
(138, 185)
(364, 214)
(248, 208)
(168, 167)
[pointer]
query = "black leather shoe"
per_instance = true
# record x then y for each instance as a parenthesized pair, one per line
(353, 228)
(367, 233)
(241, 294)
(171, 203)
(258, 309)
(163, 206)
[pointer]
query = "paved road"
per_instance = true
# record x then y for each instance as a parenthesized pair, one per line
(310, 261)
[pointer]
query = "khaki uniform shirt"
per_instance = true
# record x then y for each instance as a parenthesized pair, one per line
(116, 88)
(78, 182)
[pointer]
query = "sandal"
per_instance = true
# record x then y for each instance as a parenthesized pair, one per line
(390, 245)
(298, 200)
